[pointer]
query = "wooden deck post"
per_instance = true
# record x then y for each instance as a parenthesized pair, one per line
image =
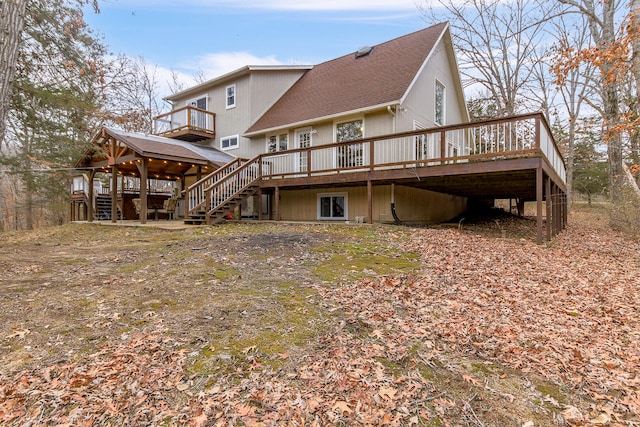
(260, 205)
(143, 169)
(92, 175)
(550, 207)
(369, 202)
(539, 196)
(114, 193)
(277, 202)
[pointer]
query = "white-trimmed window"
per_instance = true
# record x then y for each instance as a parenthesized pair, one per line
(332, 206)
(231, 96)
(230, 142)
(277, 143)
(440, 103)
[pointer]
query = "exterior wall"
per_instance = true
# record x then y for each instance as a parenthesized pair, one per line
(412, 204)
(267, 87)
(324, 132)
(255, 92)
(420, 101)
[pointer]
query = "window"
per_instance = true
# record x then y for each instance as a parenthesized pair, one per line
(439, 117)
(332, 206)
(277, 143)
(231, 96)
(229, 142)
(349, 155)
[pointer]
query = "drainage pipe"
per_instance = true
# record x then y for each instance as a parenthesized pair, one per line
(393, 204)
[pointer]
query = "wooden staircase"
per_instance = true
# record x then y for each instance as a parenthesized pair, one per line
(103, 207)
(210, 199)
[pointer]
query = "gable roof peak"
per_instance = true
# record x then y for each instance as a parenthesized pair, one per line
(381, 76)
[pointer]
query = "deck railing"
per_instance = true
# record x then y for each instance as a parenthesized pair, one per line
(520, 136)
(185, 119)
(509, 138)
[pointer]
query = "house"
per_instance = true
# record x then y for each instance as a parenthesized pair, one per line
(380, 134)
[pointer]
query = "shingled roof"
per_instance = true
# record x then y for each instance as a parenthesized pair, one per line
(352, 83)
(175, 157)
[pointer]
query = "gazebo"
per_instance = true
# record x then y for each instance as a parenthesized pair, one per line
(123, 154)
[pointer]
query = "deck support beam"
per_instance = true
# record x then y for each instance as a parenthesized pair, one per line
(549, 205)
(539, 197)
(369, 202)
(277, 203)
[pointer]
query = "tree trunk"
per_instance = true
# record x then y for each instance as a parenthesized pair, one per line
(11, 26)
(634, 31)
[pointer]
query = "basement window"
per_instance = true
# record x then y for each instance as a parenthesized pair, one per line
(332, 206)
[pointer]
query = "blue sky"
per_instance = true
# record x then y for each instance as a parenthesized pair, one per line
(217, 36)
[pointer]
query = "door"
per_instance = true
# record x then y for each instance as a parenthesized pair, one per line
(303, 140)
(199, 118)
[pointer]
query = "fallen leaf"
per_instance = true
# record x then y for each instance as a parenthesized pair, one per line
(19, 334)
(471, 379)
(387, 392)
(343, 407)
(601, 419)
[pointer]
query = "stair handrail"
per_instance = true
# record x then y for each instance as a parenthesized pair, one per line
(195, 195)
(231, 185)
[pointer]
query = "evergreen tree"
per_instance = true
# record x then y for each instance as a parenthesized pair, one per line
(591, 175)
(52, 107)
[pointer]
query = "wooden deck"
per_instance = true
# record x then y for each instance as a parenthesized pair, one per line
(513, 158)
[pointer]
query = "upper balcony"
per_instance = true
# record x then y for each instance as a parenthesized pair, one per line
(187, 124)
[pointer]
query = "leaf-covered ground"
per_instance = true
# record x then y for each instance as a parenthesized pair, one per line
(314, 325)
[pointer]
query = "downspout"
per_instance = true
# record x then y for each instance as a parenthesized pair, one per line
(393, 204)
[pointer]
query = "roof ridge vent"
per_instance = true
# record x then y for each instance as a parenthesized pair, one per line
(363, 51)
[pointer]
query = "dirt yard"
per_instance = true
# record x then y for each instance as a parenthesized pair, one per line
(312, 324)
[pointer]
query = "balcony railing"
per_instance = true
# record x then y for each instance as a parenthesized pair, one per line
(514, 137)
(186, 123)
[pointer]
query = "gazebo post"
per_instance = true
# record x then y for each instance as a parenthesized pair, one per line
(141, 164)
(92, 175)
(114, 193)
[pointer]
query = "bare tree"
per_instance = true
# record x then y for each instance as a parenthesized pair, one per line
(578, 84)
(12, 14)
(496, 41)
(129, 93)
(601, 18)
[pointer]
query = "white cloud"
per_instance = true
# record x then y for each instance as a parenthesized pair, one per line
(219, 63)
(211, 65)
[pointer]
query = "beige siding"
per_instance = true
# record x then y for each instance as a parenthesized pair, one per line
(378, 123)
(412, 205)
(255, 92)
(420, 101)
(267, 87)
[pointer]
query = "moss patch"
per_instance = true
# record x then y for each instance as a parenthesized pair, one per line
(353, 261)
